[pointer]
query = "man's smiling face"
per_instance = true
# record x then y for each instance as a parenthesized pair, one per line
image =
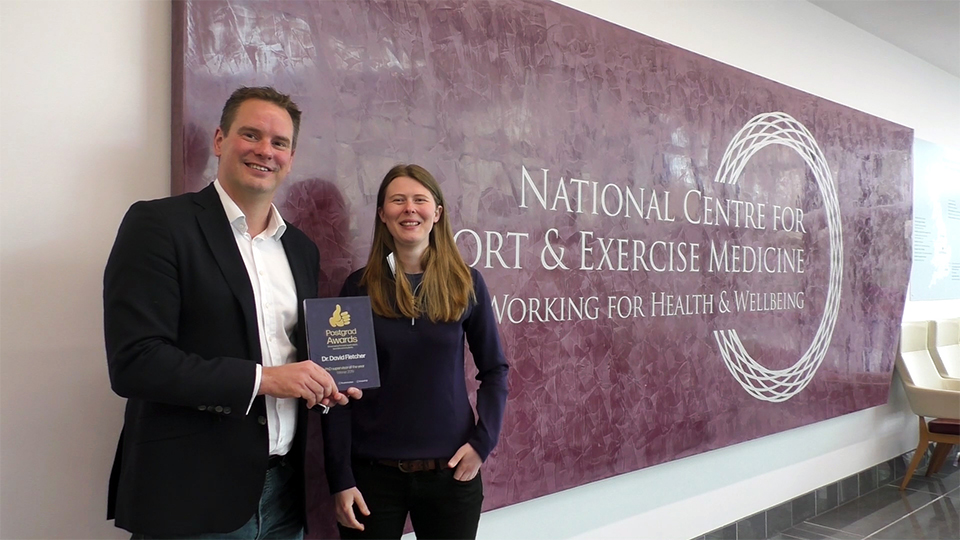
(256, 151)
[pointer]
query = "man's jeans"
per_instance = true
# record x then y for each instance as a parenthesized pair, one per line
(277, 516)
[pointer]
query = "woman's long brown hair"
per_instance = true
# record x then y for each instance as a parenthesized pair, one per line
(447, 287)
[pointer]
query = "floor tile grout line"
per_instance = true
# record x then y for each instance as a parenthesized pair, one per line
(832, 529)
(905, 516)
(915, 490)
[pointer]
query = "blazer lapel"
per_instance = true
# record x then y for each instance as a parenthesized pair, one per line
(305, 282)
(219, 235)
(298, 266)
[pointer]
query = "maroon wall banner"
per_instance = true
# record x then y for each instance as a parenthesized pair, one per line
(682, 255)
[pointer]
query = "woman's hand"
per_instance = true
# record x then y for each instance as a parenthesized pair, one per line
(467, 463)
(339, 398)
(344, 501)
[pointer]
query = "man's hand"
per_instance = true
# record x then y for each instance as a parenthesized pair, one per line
(344, 501)
(304, 380)
(467, 462)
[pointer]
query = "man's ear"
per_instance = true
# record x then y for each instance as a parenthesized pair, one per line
(217, 141)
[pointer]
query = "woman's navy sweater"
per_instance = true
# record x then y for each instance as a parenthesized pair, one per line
(421, 410)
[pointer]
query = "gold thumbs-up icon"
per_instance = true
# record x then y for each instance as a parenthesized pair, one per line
(339, 318)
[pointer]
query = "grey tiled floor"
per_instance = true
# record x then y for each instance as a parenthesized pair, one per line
(928, 508)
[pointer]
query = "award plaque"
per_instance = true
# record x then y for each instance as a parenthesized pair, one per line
(340, 339)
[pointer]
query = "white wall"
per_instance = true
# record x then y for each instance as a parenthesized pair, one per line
(84, 120)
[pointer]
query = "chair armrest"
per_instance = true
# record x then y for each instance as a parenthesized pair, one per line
(933, 402)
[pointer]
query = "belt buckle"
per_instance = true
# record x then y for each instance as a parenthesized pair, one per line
(404, 466)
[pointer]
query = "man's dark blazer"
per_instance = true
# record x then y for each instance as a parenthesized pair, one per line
(182, 344)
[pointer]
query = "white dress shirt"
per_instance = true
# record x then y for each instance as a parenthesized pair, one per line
(275, 295)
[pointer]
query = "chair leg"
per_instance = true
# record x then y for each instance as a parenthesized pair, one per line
(948, 447)
(940, 453)
(918, 454)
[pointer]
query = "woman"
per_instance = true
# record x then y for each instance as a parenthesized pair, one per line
(413, 445)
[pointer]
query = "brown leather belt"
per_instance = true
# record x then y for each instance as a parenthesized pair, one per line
(413, 465)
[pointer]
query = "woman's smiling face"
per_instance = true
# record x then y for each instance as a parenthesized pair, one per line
(409, 212)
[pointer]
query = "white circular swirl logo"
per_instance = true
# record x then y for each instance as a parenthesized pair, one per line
(777, 385)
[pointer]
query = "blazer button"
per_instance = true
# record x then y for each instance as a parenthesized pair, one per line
(262, 420)
(226, 410)
(218, 408)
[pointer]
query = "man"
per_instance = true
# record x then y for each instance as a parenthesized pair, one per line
(202, 297)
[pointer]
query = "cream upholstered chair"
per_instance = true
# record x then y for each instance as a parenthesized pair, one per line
(947, 347)
(930, 395)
